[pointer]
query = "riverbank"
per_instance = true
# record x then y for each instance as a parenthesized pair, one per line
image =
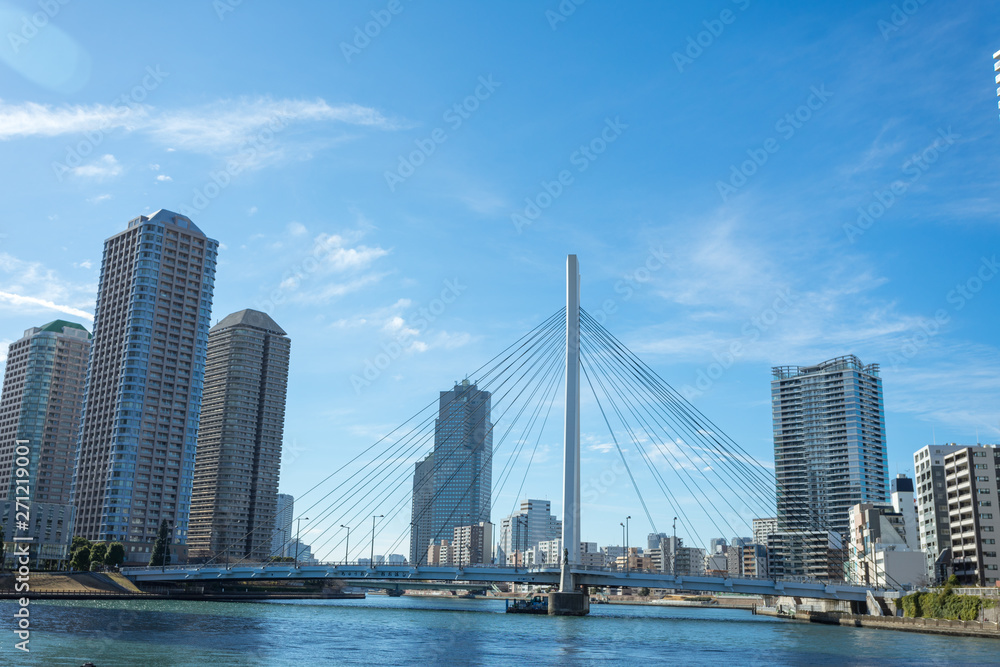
(115, 586)
(934, 626)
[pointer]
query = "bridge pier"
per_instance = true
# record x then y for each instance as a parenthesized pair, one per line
(570, 603)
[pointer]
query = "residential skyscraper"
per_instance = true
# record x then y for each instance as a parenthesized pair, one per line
(462, 474)
(283, 516)
(829, 443)
(135, 460)
(234, 501)
(40, 412)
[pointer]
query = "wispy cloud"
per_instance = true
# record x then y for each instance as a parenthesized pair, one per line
(217, 128)
(106, 166)
(29, 287)
(21, 300)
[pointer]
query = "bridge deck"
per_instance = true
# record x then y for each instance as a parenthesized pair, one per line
(399, 575)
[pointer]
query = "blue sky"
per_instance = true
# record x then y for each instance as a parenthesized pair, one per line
(295, 152)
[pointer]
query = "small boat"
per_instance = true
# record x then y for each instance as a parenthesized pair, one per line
(537, 604)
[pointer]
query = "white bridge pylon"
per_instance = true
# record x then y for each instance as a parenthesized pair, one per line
(571, 441)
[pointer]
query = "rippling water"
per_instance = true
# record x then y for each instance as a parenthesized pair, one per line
(402, 631)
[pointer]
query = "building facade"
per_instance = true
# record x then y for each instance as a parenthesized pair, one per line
(234, 500)
(533, 524)
(40, 410)
(818, 554)
(462, 469)
(971, 481)
(421, 512)
(884, 545)
(764, 527)
(933, 523)
(473, 545)
(282, 535)
(829, 442)
(138, 436)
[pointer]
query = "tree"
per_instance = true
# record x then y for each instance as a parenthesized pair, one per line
(644, 592)
(161, 548)
(116, 555)
(81, 559)
(98, 553)
(79, 542)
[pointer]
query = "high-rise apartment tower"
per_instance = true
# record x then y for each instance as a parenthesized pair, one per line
(234, 501)
(138, 436)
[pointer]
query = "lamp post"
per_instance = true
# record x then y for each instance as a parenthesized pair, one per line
(371, 563)
(347, 546)
(673, 550)
(298, 533)
(626, 542)
(622, 524)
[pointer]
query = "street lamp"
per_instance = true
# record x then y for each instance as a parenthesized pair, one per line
(371, 563)
(622, 524)
(626, 541)
(298, 542)
(673, 550)
(347, 546)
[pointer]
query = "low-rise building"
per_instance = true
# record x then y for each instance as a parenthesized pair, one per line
(754, 561)
(883, 544)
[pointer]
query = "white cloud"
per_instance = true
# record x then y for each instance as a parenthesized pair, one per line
(29, 287)
(154, 167)
(244, 129)
(297, 229)
(85, 264)
(163, 178)
(105, 167)
(252, 210)
(99, 198)
(21, 300)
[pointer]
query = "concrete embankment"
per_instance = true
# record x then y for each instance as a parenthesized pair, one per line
(938, 626)
(114, 586)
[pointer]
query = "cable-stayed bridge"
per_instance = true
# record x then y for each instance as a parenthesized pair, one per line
(690, 461)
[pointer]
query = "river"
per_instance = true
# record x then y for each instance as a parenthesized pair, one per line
(412, 630)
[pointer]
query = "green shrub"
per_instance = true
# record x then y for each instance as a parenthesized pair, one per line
(945, 605)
